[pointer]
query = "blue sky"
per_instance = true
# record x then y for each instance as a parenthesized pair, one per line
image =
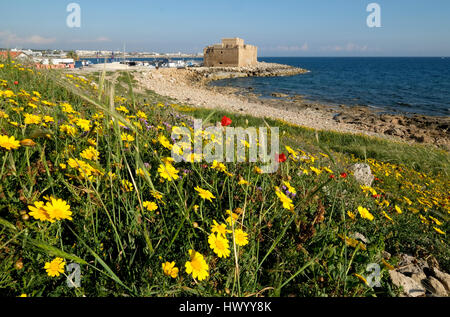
(278, 28)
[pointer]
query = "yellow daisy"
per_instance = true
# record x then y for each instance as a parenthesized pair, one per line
(9, 143)
(58, 209)
(240, 237)
(169, 269)
(205, 194)
(197, 266)
(55, 267)
(219, 245)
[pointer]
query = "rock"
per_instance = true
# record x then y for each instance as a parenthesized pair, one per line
(444, 278)
(279, 95)
(362, 174)
(394, 131)
(435, 287)
(419, 277)
(410, 265)
(410, 287)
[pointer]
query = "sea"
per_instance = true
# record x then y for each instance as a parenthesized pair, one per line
(401, 85)
(406, 85)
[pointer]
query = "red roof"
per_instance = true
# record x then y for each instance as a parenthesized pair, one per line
(12, 54)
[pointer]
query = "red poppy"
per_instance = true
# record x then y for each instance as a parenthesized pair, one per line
(344, 175)
(16, 82)
(282, 158)
(226, 121)
(332, 176)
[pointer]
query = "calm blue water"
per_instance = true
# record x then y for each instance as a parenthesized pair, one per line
(411, 85)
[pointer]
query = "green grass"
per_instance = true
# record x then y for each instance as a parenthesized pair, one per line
(121, 245)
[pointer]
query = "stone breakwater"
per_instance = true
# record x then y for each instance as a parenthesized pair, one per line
(260, 70)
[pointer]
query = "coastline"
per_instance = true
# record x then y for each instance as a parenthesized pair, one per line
(191, 86)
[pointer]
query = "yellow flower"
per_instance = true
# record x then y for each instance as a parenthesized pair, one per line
(387, 216)
(220, 229)
(242, 181)
(167, 171)
(90, 154)
(164, 142)
(141, 172)
(127, 186)
(67, 108)
(397, 208)
(361, 278)
(150, 205)
(353, 242)
(436, 221)
(38, 212)
(351, 215)
(70, 130)
(48, 119)
(291, 151)
(157, 195)
(9, 143)
(240, 237)
(219, 166)
(408, 201)
(287, 202)
(32, 119)
(141, 115)
(424, 220)
(58, 209)
(92, 142)
(219, 245)
(205, 194)
(27, 142)
(127, 137)
(365, 213)
(438, 230)
(232, 217)
(55, 267)
(290, 188)
(387, 264)
(169, 269)
(122, 109)
(197, 266)
(84, 124)
(3, 114)
(258, 170)
(315, 170)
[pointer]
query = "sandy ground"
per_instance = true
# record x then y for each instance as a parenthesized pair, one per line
(183, 86)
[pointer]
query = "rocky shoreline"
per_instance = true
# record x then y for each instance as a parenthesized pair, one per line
(191, 86)
(262, 69)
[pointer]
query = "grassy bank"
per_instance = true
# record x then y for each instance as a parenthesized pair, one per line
(90, 181)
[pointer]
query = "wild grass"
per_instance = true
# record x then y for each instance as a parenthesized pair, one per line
(120, 245)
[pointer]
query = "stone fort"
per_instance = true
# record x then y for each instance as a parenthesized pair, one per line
(231, 52)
